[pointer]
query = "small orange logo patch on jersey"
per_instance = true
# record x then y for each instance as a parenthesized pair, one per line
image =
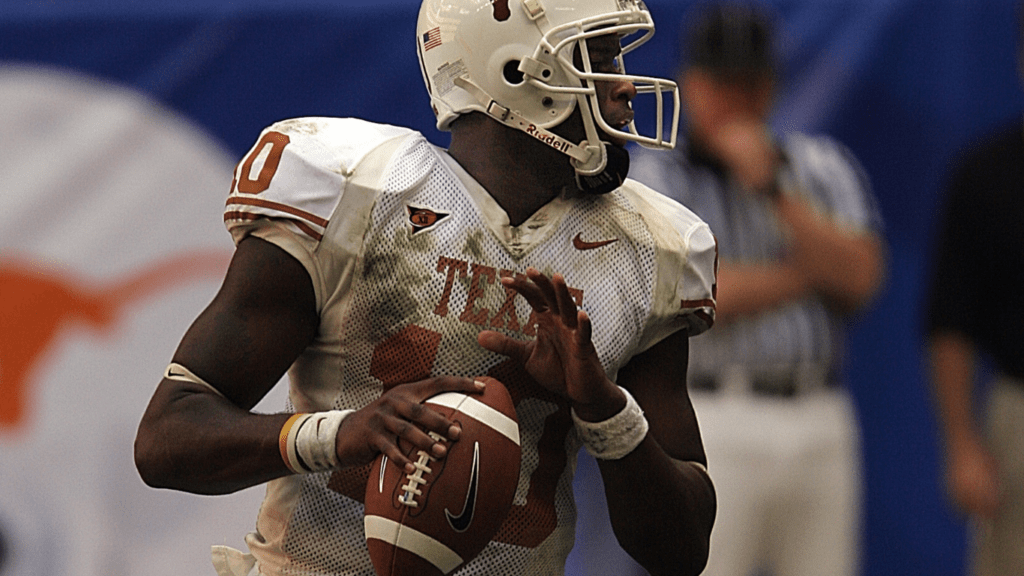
(423, 218)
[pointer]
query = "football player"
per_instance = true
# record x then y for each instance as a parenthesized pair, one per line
(379, 270)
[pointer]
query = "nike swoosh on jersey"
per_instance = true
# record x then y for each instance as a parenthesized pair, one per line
(461, 522)
(580, 244)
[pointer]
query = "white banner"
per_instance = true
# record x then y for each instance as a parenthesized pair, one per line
(111, 242)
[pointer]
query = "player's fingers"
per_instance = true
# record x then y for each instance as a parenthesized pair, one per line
(545, 286)
(413, 434)
(439, 384)
(402, 406)
(390, 447)
(566, 303)
(431, 420)
(501, 344)
(584, 333)
(369, 432)
(528, 290)
(399, 459)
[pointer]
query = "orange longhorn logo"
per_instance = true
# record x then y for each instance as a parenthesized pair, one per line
(39, 303)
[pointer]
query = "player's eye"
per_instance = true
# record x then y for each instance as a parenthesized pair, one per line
(606, 64)
(605, 54)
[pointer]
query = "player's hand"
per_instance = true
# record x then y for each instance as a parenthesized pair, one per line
(562, 358)
(377, 427)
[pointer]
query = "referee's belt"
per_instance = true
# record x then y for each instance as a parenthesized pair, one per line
(787, 382)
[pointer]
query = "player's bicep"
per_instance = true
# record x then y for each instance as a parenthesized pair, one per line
(262, 318)
(657, 379)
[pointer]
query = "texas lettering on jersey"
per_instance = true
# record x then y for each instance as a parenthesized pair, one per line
(483, 277)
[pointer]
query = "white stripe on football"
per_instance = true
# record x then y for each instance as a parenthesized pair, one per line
(406, 538)
(478, 411)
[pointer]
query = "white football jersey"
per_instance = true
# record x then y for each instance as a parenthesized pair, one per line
(406, 251)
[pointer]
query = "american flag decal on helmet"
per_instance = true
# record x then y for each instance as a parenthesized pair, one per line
(431, 38)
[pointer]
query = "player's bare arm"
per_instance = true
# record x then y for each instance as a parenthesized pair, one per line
(240, 346)
(665, 526)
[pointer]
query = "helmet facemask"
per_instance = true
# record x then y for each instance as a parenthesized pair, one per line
(565, 41)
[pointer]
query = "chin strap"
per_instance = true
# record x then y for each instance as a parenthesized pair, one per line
(611, 177)
(588, 159)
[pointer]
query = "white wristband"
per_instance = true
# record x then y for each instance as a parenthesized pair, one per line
(307, 441)
(617, 436)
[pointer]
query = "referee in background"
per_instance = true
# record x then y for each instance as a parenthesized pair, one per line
(801, 249)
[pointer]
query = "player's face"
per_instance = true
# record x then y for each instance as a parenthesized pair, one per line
(613, 97)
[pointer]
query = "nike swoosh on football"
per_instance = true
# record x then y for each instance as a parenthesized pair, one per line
(461, 522)
(580, 244)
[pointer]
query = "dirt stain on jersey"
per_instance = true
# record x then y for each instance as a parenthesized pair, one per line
(40, 302)
(391, 262)
(474, 246)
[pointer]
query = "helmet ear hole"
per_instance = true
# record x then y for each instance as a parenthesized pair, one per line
(512, 74)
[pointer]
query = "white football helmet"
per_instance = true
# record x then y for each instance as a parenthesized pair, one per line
(513, 60)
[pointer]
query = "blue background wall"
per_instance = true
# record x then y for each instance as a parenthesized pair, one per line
(905, 83)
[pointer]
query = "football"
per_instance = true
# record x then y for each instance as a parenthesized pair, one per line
(432, 522)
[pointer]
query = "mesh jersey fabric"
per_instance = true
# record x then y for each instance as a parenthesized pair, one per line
(405, 251)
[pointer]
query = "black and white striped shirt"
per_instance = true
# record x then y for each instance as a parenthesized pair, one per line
(803, 332)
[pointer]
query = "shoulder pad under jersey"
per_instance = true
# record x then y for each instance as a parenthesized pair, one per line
(298, 168)
(687, 254)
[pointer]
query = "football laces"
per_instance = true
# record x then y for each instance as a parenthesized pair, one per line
(415, 480)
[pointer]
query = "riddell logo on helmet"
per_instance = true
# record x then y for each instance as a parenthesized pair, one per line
(549, 139)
